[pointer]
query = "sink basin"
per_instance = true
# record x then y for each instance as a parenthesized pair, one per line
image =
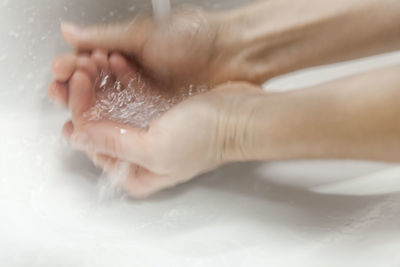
(307, 213)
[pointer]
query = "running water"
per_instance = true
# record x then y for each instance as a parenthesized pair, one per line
(137, 101)
(134, 102)
(161, 9)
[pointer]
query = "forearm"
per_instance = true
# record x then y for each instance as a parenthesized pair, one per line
(278, 36)
(354, 118)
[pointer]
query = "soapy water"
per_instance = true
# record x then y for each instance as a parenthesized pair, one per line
(136, 102)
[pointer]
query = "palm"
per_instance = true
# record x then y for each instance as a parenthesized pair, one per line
(114, 93)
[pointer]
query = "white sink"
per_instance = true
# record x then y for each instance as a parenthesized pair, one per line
(277, 214)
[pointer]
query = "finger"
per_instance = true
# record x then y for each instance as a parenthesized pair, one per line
(135, 180)
(81, 95)
(58, 92)
(87, 64)
(124, 71)
(108, 37)
(113, 139)
(102, 161)
(64, 66)
(142, 183)
(67, 130)
(101, 59)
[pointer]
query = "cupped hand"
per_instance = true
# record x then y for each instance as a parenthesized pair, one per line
(194, 137)
(190, 47)
(197, 135)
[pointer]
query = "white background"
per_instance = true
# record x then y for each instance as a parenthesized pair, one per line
(276, 214)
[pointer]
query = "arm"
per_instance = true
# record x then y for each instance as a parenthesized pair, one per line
(353, 118)
(279, 36)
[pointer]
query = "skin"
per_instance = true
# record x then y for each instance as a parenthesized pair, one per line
(153, 155)
(182, 51)
(353, 118)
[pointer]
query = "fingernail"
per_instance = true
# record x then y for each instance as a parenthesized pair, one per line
(70, 28)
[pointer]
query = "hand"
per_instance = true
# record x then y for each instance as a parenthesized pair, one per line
(163, 53)
(189, 48)
(195, 136)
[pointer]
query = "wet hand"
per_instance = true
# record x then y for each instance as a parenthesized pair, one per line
(194, 137)
(188, 48)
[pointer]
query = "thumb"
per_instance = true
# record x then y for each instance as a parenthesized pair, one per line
(114, 140)
(127, 37)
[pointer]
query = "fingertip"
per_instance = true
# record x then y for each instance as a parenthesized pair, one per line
(68, 130)
(71, 33)
(58, 93)
(122, 69)
(101, 58)
(87, 64)
(80, 79)
(81, 95)
(119, 62)
(64, 66)
(102, 161)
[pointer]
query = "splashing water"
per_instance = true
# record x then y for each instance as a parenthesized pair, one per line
(133, 102)
(137, 102)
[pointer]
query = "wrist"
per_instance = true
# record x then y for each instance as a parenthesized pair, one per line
(348, 118)
(241, 115)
